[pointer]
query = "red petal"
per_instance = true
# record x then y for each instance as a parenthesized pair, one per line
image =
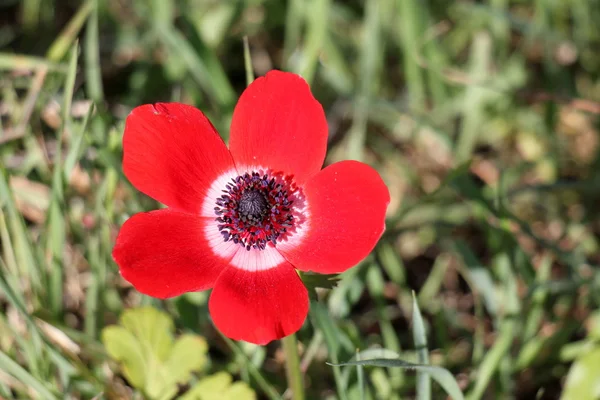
(259, 306)
(278, 124)
(172, 153)
(346, 216)
(164, 253)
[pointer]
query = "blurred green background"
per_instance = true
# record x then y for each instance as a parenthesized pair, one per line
(481, 116)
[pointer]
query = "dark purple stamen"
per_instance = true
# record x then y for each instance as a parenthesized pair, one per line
(255, 209)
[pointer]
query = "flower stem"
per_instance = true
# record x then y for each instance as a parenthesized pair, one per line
(292, 365)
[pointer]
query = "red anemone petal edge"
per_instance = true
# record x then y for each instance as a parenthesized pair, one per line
(163, 254)
(347, 202)
(172, 153)
(259, 306)
(278, 124)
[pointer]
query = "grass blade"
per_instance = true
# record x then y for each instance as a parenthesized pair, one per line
(481, 53)
(202, 65)
(65, 40)
(248, 62)
(322, 320)
(91, 50)
(440, 375)
(317, 14)
(371, 56)
(11, 367)
(267, 389)
(23, 248)
(360, 372)
(55, 222)
(26, 62)
(293, 26)
(76, 147)
(410, 26)
(420, 339)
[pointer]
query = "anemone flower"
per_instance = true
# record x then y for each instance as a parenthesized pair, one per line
(242, 220)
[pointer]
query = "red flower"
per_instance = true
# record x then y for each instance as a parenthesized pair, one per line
(242, 220)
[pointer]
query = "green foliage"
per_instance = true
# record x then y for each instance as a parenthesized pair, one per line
(420, 339)
(219, 387)
(440, 375)
(481, 116)
(313, 281)
(583, 380)
(152, 360)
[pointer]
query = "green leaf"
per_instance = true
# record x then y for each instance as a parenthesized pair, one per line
(153, 328)
(326, 281)
(151, 360)
(123, 346)
(188, 352)
(219, 387)
(594, 326)
(420, 339)
(312, 281)
(440, 375)
(583, 381)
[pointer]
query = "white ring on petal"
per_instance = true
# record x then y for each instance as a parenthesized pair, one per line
(215, 191)
(221, 248)
(254, 260)
(236, 255)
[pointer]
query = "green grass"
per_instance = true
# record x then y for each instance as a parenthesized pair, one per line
(482, 118)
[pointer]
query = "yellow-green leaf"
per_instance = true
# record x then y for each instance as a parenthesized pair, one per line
(150, 359)
(153, 328)
(188, 354)
(123, 347)
(219, 387)
(583, 381)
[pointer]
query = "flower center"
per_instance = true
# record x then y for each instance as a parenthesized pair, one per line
(255, 209)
